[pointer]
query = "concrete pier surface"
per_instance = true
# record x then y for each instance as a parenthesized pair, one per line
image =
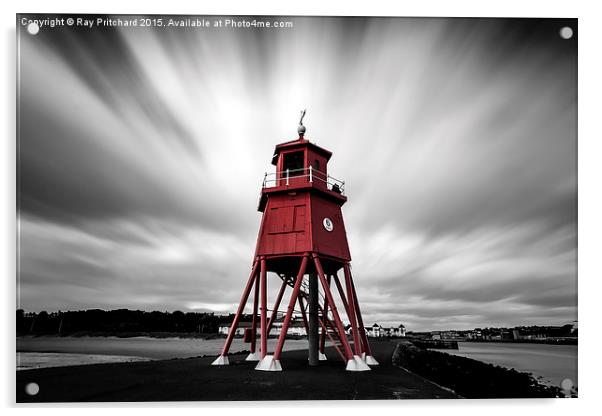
(194, 379)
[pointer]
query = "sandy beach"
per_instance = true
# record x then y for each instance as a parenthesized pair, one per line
(52, 351)
(32, 360)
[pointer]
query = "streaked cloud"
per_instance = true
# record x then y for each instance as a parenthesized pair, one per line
(141, 155)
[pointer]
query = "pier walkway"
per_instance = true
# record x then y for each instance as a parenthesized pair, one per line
(194, 379)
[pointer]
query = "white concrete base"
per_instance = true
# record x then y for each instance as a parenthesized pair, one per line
(322, 357)
(370, 360)
(269, 364)
(357, 364)
(221, 360)
(254, 356)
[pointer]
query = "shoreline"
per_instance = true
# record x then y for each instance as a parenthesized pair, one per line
(163, 347)
(145, 347)
(550, 364)
(472, 378)
(211, 336)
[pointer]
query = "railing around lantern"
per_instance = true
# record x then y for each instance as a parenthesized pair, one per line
(290, 176)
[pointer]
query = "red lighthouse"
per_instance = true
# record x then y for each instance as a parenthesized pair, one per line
(302, 240)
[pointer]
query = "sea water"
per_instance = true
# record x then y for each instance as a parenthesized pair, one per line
(547, 362)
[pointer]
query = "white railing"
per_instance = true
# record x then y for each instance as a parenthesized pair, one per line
(289, 176)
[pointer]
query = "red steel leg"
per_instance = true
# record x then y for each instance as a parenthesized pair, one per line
(241, 307)
(264, 302)
(341, 292)
(291, 308)
(362, 329)
(346, 305)
(277, 305)
(254, 319)
(351, 310)
(327, 323)
(325, 329)
(335, 313)
(324, 314)
(303, 315)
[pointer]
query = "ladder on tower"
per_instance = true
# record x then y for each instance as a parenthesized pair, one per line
(327, 326)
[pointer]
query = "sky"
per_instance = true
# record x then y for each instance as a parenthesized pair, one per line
(141, 153)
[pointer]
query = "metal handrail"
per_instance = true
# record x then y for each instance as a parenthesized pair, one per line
(271, 179)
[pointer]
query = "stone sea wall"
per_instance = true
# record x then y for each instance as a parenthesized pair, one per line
(470, 378)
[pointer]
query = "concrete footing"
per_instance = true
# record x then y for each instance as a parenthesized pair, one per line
(322, 357)
(254, 356)
(269, 364)
(357, 364)
(221, 360)
(370, 360)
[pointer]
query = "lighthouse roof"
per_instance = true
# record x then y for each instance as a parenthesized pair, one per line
(301, 142)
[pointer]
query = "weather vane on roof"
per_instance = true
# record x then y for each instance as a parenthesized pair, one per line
(301, 128)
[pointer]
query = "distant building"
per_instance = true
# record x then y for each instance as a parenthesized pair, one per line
(374, 331)
(449, 335)
(295, 327)
(225, 328)
(534, 336)
(400, 331)
(377, 331)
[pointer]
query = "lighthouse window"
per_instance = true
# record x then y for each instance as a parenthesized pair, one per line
(294, 163)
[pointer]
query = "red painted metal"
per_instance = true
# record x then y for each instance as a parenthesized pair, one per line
(264, 302)
(325, 314)
(335, 313)
(351, 310)
(362, 328)
(241, 307)
(328, 323)
(247, 337)
(291, 307)
(334, 343)
(346, 306)
(303, 314)
(361, 331)
(341, 293)
(254, 318)
(276, 305)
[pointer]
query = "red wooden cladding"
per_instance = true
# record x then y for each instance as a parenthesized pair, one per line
(331, 243)
(294, 215)
(285, 226)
